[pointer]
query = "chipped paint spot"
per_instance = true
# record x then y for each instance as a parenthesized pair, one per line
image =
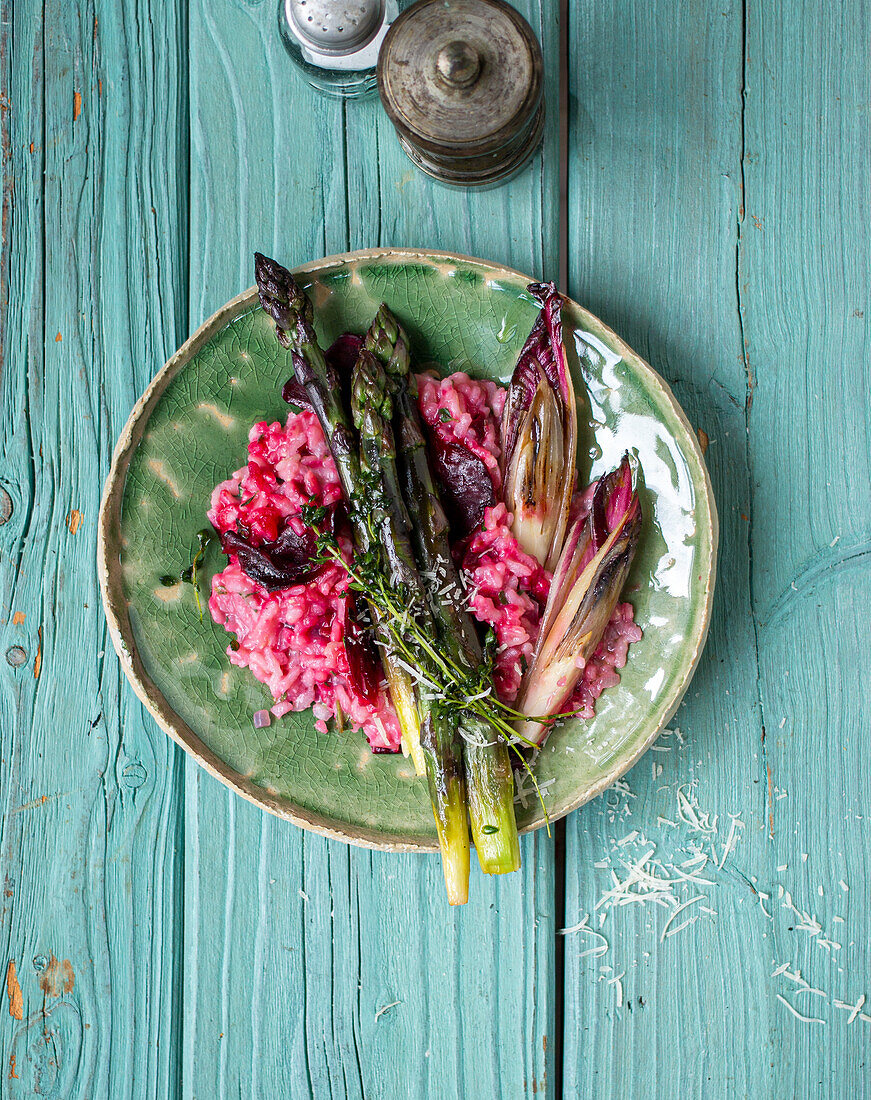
(13, 989)
(37, 664)
(364, 759)
(58, 338)
(189, 659)
(18, 618)
(703, 439)
(77, 105)
(57, 978)
(13, 1076)
(404, 180)
(35, 802)
(160, 471)
(222, 418)
(74, 520)
(224, 689)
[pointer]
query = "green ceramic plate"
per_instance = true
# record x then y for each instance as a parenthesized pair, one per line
(189, 431)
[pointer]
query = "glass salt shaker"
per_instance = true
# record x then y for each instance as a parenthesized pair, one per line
(335, 43)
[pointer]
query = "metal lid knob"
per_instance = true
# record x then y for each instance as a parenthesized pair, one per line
(459, 64)
(461, 81)
(335, 28)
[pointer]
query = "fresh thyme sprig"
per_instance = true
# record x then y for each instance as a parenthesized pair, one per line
(191, 575)
(455, 688)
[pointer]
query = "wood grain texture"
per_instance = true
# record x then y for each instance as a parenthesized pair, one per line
(168, 938)
(294, 944)
(805, 294)
(93, 248)
(711, 228)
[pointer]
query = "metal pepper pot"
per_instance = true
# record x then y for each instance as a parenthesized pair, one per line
(461, 81)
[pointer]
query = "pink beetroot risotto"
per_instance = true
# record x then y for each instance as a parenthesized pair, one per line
(292, 639)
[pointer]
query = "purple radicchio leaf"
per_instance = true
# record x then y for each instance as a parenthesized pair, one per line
(342, 353)
(291, 559)
(294, 392)
(340, 356)
(467, 488)
(267, 565)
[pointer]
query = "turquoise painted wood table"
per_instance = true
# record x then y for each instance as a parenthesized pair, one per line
(164, 938)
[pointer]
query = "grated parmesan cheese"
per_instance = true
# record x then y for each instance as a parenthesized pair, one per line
(854, 1010)
(797, 1014)
(385, 1008)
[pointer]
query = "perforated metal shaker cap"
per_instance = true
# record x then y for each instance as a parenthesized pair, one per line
(461, 80)
(335, 26)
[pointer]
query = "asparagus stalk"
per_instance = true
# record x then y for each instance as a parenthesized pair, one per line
(488, 763)
(292, 312)
(372, 411)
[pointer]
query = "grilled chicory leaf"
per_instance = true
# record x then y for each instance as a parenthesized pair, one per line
(587, 582)
(539, 433)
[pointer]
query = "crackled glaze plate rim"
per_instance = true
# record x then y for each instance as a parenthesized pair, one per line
(115, 605)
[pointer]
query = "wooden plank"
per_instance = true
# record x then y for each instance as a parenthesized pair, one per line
(295, 944)
(754, 316)
(93, 265)
(655, 192)
(805, 293)
(263, 177)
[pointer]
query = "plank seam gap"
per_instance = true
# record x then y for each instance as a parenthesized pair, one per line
(7, 206)
(563, 108)
(559, 907)
(748, 405)
(184, 188)
(347, 199)
(303, 952)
